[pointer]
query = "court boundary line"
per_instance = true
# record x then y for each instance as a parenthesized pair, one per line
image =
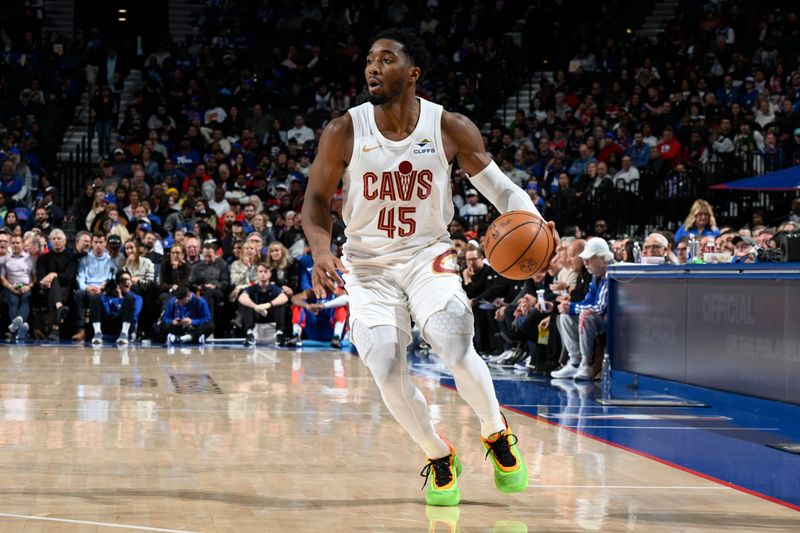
(92, 523)
(646, 455)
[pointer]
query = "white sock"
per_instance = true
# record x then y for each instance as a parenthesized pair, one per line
(97, 329)
(250, 331)
(125, 327)
(186, 338)
(433, 445)
(297, 331)
(338, 328)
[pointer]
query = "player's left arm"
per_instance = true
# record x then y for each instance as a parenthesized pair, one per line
(462, 139)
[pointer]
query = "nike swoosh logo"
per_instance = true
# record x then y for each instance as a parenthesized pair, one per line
(365, 149)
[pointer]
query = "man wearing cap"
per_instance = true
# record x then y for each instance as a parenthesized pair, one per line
(55, 213)
(94, 271)
(579, 323)
(114, 245)
(473, 208)
(745, 250)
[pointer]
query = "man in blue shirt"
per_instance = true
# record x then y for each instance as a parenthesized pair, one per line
(580, 322)
(187, 318)
(118, 308)
(94, 271)
(639, 151)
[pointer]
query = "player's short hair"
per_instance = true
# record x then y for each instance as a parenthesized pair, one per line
(413, 46)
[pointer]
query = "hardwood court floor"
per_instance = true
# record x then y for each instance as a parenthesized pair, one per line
(231, 440)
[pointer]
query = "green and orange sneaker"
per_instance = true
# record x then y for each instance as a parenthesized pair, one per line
(510, 472)
(443, 487)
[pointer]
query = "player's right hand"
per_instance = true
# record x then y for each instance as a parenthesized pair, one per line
(325, 276)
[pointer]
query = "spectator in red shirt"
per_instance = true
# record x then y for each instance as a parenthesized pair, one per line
(669, 147)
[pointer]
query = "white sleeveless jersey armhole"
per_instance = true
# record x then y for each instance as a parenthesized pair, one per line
(397, 195)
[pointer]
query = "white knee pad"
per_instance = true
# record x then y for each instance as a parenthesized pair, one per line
(363, 337)
(380, 348)
(454, 319)
(450, 331)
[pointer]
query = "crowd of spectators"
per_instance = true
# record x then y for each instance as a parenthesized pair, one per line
(191, 225)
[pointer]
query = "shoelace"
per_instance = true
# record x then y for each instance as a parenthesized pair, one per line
(441, 471)
(502, 449)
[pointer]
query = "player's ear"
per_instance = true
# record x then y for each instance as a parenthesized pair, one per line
(415, 74)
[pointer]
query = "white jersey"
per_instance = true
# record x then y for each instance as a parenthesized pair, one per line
(397, 196)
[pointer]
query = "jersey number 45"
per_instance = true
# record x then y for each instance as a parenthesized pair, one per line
(404, 224)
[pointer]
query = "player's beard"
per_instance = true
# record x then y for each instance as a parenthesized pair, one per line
(388, 93)
(378, 99)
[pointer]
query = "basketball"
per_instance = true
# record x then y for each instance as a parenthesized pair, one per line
(519, 244)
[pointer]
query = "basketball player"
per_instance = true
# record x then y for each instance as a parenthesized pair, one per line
(394, 154)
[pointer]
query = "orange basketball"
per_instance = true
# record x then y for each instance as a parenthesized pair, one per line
(519, 244)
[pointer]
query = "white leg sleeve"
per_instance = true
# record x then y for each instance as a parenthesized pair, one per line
(383, 350)
(450, 333)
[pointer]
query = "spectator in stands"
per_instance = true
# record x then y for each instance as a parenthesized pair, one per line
(656, 247)
(95, 269)
(744, 250)
(174, 273)
(114, 246)
(474, 207)
(117, 307)
(266, 300)
(628, 174)
(103, 110)
(482, 285)
(243, 270)
(211, 278)
(320, 320)
(283, 267)
(669, 148)
(638, 151)
(699, 223)
(56, 272)
(187, 318)
(184, 219)
(580, 322)
(192, 246)
(682, 250)
(794, 214)
(140, 268)
(18, 278)
(518, 176)
(300, 132)
(578, 167)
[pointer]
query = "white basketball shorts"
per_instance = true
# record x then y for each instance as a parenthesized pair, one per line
(415, 287)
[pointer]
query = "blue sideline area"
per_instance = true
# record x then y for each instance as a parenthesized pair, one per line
(727, 440)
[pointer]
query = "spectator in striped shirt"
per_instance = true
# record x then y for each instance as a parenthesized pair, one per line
(580, 322)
